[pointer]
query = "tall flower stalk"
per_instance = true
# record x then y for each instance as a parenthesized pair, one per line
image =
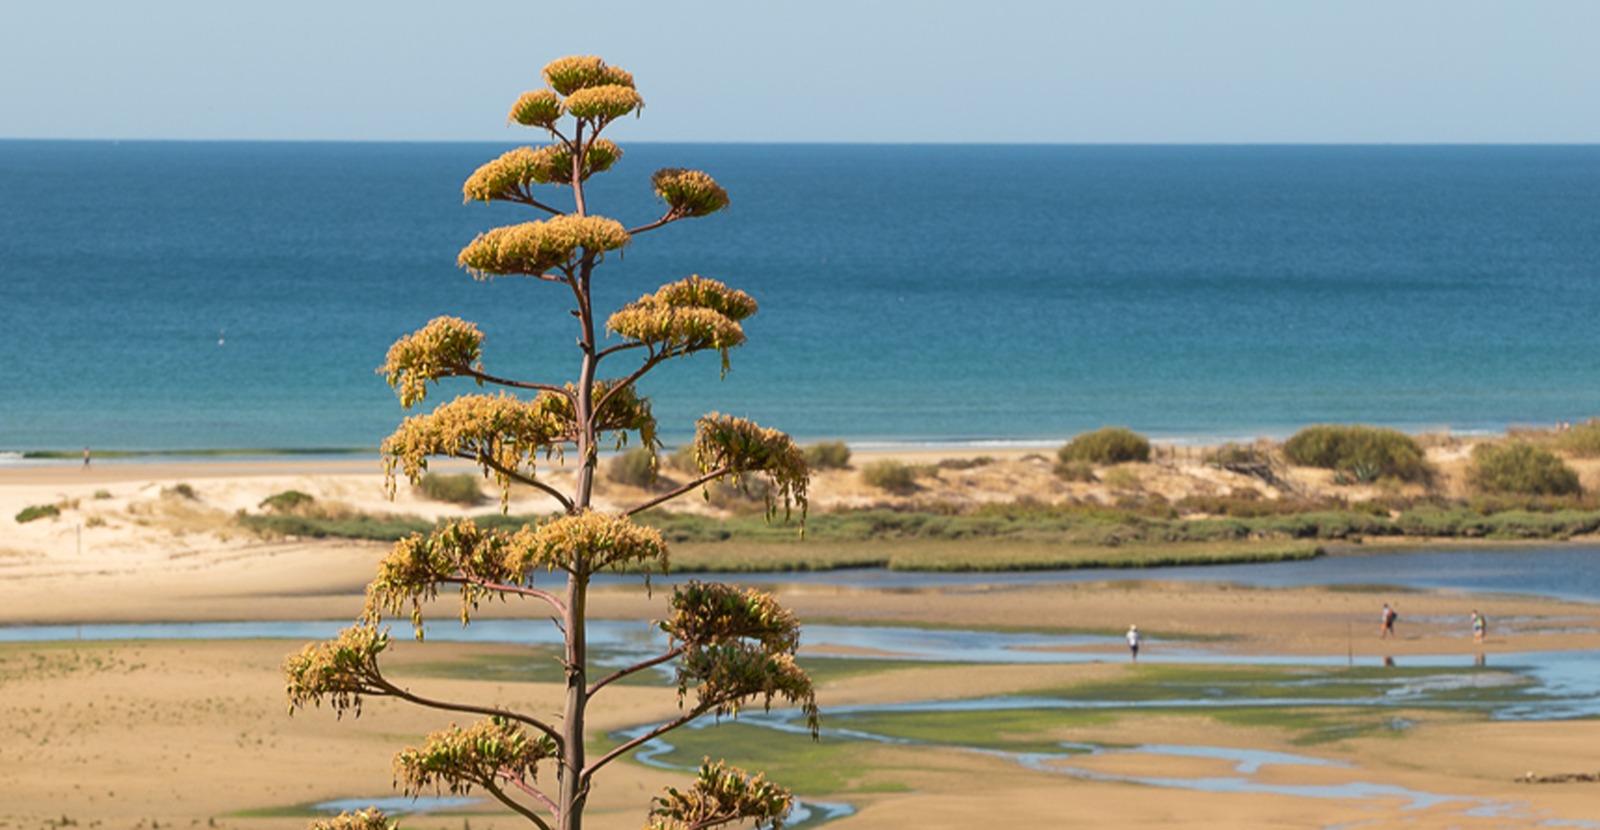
(731, 647)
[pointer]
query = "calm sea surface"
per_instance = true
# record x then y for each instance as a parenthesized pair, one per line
(239, 295)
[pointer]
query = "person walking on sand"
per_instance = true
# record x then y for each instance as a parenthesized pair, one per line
(1389, 616)
(1479, 624)
(1133, 642)
(86, 458)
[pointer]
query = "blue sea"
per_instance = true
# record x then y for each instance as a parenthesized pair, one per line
(238, 296)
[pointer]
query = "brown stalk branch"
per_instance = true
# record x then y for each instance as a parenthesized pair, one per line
(640, 740)
(634, 669)
(678, 491)
(500, 796)
(467, 708)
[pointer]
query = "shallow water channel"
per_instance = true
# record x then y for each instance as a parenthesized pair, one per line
(1189, 676)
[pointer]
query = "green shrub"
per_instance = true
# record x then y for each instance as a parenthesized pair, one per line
(1520, 467)
(890, 475)
(38, 511)
(180, 490)
(828, 455)
(1582, 440)
(1111, 445)
(457, 488)
(102, 494)
(635, 468)
(1361, 453)
(289, 501)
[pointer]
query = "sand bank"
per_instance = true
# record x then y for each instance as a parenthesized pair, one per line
(195, 733)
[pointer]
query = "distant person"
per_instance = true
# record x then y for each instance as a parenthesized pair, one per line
(86, 458)
(1133, 642)
(1479, 626)
(1389, 616)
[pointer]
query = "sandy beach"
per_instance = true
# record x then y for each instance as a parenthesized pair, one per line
(194, 733)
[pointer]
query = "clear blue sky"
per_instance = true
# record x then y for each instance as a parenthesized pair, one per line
(1052, 71)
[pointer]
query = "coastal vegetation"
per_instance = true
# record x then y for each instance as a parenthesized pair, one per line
(727, 648)
(37, 511)
(1521, 468)
(1111, 445)
(1362, 453)
(453, 488)
(827, 455)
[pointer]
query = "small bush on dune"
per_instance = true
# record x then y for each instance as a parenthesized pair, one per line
(1582, 440)
(828, 455)
(38, 511)
(289, 501)
(180, 490)
(682, 460)
(1111, 445)
(459, 488)
(635, 468)
(890, 476)
(1362, 453)
(1520, 467)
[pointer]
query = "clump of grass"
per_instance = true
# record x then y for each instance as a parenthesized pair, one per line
(828, 455)
(892, 476)
(101, 495)
(180, 490)
(1520, 467)
(38, 511)
(1111, 445)
(634, 468)
(458, 488)
(1361, 453)
(965, 463)
(289, 501)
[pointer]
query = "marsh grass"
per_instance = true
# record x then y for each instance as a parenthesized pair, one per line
(465, 489)
(808, 767)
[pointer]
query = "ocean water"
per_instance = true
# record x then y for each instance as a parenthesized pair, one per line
(188, 296)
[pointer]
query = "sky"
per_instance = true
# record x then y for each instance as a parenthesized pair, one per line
(943, 71)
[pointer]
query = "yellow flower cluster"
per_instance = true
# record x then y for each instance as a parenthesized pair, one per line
(371, 818)
(602, 104)
(446, 347)
(721, 794)
(456, 551)
(727, 676)
(689, 193)
(707, 293)
(685, 317)
(510, 176)
(588, 542)
(532, 248)
(705, 613)
(570, 74)
(538, 108)
(454, 760)
(498, 429)
(723, 441)
(341, 670)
